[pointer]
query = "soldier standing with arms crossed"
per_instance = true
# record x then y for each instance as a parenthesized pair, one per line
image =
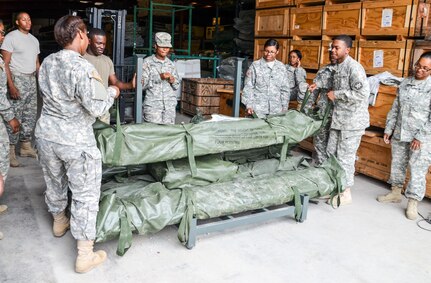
(408, 129)
(73, 96)
(20, 51)
(7, 115)
(350, 116)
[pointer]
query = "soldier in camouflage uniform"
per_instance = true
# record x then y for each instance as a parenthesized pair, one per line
(6, 115)
(296, 75)
(266, 88)
(350, 116)
(408, 128)
(73, 96)
(160, 80)
(20, 51)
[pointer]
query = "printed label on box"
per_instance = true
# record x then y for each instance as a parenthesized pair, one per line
(387, 15)
(378, 59)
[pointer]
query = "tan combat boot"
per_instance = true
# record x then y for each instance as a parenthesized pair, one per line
(3, 208)
(27, 150)
(345, 198)
(61, 224)
(412, 209)
(87, 259)
(393, 196)
(12, 157)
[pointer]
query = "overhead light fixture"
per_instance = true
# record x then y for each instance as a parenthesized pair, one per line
(84, 2)
(193, 3)
(98, 3)
(207, 6)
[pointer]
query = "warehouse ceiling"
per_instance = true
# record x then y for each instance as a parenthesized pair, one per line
(53, 9)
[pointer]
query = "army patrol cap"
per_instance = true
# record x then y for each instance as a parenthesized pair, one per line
(163, 39)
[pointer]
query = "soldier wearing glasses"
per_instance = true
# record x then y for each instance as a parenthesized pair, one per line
(408, 129)
(266, 88)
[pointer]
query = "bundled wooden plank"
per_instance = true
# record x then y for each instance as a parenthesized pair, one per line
(342, 19)
(374, 157)
(283, 49)
(306, 21)
(387, 18)
(273, 3)
(272, 23)
(310, 50)
(378, 56)
(324, 56)
(384, 101)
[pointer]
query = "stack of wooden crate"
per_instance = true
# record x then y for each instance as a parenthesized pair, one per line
(201, 93)
(388, 36)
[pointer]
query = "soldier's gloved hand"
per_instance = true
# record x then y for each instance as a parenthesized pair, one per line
(249, 111)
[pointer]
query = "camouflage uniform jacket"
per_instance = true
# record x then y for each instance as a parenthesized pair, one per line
(5, 108)
(266, 90)
(156, 88)
(73, 96)
(323, 81)
(295, 76)
(351, 90)
(410, 115)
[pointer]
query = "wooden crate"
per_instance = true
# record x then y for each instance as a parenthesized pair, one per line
(387, 18)
(310, 50)
(306, 21)
(307, 144)
(373, 157)
(273, 3)
(421, 19)
(272, 23)
(342, 19)
(310, 77)
(385, 99)
(226, 103)
(282, 54)
(428, 182)
(324, 56)
(379, 56)
(202, 93)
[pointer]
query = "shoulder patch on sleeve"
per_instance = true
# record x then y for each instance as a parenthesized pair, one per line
(357, 85)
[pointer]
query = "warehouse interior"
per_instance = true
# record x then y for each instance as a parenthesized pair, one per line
(214, 43)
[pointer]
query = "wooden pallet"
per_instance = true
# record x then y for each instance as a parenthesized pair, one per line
(282, 53)
(272, 23)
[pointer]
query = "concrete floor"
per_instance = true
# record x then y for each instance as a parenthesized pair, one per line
(362, 242)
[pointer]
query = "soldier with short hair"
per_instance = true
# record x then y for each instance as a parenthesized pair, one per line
(266, 87)
(408, 129)
(350, 117)
(160, 80)
(20, 51)
(73, 96)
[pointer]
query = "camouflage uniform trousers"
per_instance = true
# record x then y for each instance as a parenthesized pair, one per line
(320, 142)
(4, 151)
(417, 160)
(80, 170)
(344, 145)
(160, 112)
(25, 109)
